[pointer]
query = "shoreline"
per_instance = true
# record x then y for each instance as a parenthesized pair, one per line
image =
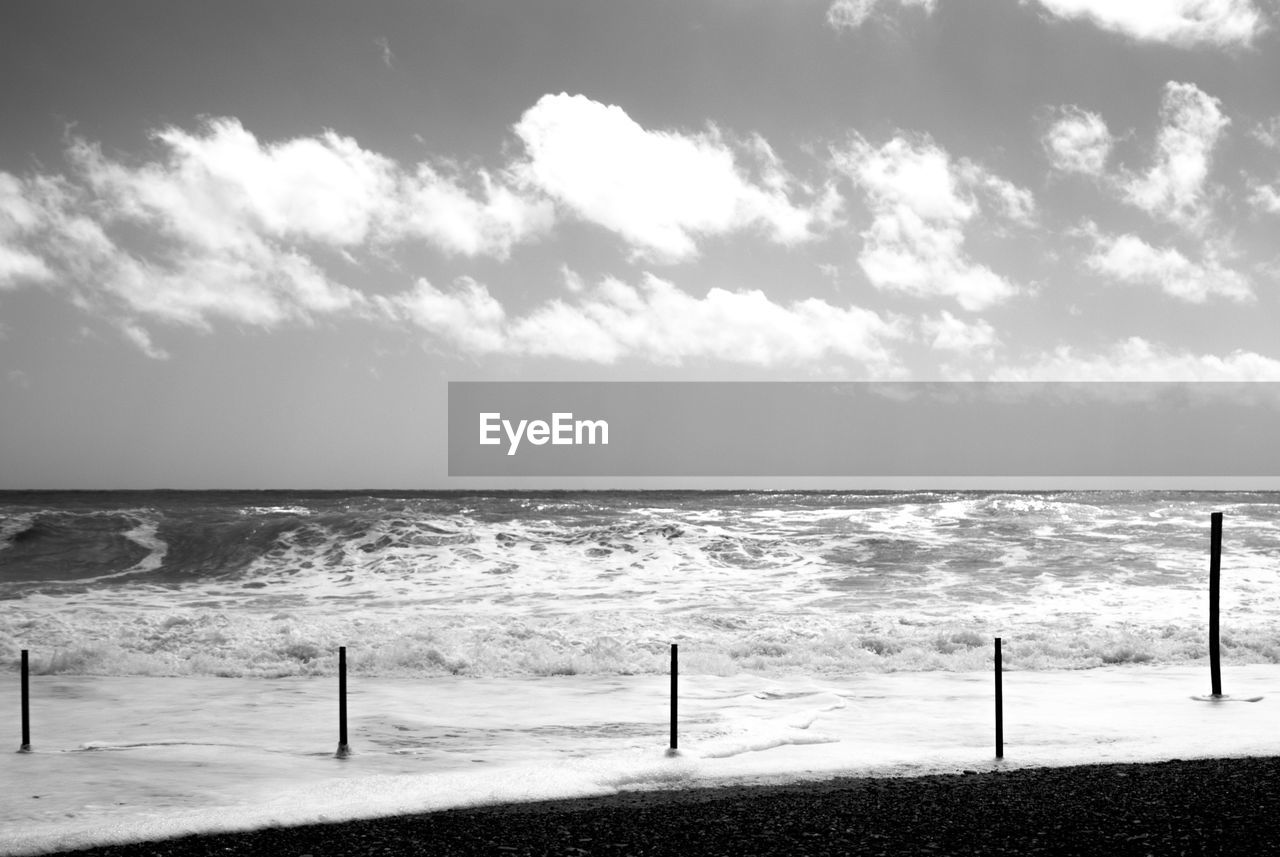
(1201, 806)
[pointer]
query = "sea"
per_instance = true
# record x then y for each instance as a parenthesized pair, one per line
(502, 646)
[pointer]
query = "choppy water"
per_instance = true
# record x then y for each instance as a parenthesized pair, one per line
(600, 583)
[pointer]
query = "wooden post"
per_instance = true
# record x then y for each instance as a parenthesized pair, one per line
(343, 749)
(674, 673)
(1215, 567)
(26, 709)
(999, 704)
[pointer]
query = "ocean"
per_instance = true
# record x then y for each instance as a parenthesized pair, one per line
(514, 645)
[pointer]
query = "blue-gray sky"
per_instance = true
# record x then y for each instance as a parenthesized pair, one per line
(247, 244)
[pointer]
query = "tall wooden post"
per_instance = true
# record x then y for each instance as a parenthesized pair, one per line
(1215, 566)
(675, 670)
(999, 704)
(26, 709)
(343, 749)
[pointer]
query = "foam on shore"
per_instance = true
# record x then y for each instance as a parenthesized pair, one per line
(125, 759)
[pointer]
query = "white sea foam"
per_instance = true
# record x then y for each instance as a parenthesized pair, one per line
(119, 759)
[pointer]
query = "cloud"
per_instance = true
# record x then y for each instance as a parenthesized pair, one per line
(1129, 259)
(661, 191)
(220, 225)
(140, 338)
(384, 48)
(262, 288)
(1078, 142)
(226, 228)
(1015, 204)
(489, 222)
(948, 333)
(467, 317)
(654, 322)
(851, 14)
(1185, 23)
(20, 217)
(1268, 133)
(1265, 198)
(17, 266)
(221, 187)
(1191, 123)
(921, 204)
(1136, 359)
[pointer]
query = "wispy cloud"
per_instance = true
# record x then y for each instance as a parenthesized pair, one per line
(1185, 23)
(1268, 133)
(21, 216)
(385, 47)
(1265, 197)
(945, 332)
(655, 322)
(1137, 359)
(142, 339)
(851, 14)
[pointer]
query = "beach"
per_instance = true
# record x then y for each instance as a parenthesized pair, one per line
(510, 648)
(170, 757)
(1202, 807)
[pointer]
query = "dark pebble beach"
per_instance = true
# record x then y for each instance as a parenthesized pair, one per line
(1215, 806)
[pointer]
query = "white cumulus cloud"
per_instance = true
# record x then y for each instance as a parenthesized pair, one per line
(1185, 23)
(218, 224)
(228, 222)
(921, 203)
(436, 206)
(1129, 259)
(1191, 123)
(1078, 142)
(221, 186)
(661, 191)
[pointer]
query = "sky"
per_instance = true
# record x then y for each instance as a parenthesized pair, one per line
(248, 244)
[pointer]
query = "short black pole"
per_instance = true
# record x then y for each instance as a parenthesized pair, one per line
(26, 709)
(999, 704)
(343, 749)
(1215, 567)
(675, 670)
